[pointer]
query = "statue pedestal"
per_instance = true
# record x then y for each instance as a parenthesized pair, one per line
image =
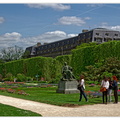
(67, 87)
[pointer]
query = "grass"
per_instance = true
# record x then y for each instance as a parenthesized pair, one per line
(48, 95)
(6, 110)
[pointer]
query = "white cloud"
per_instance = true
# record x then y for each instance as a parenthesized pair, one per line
(49, 37)
(72, 20)
(105, 25)
(87, 18)
(14, 38)
(2, 19)
(10, 36)
(54, 6)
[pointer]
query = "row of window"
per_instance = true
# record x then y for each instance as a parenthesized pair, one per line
(58, 44)
(107, 34)
(105, 40)
(62, 48)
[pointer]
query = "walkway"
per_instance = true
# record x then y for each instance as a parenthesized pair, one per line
(47, 110)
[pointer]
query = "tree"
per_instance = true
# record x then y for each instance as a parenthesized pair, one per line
(107, 67)
(11, 53)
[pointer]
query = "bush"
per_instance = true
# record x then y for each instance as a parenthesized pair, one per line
(9, 77)
(29, 78)
(21, 77)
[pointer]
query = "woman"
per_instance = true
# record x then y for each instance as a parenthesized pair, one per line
(105, 84)
(115, 88)
(82, 87)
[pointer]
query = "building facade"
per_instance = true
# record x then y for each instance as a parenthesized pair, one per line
(63, 47)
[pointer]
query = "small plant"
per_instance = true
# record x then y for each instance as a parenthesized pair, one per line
(21, 77)
(9, 77)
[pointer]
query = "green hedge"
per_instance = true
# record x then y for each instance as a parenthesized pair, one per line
(14, 67)
(2, 70)
(89, 55)
(50, 68)
(45, 67)
(38, 65)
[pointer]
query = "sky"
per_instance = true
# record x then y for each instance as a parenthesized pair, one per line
(26, 24)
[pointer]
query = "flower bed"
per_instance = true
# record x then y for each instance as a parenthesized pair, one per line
(91, 85)
(93, 94)
(9, 82)
(9, 90)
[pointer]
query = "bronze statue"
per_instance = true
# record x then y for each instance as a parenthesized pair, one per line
(67, 73)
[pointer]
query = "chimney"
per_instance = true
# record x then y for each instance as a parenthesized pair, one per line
(38, 44)
(83, 31)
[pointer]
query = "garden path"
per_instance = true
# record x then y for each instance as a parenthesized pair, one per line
(47, 110)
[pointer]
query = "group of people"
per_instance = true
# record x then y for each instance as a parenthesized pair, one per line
(108, 85)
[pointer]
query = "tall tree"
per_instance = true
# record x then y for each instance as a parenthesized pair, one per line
(11, 53)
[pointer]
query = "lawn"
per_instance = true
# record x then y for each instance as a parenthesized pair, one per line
(49, 95)
(6, 110)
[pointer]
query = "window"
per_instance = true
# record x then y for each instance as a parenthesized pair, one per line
(116, 34)
(97, 33)
(106, 34)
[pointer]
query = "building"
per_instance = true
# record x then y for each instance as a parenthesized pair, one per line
(65, 46)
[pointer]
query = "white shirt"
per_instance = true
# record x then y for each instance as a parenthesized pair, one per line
(105, 84)
(82, 83)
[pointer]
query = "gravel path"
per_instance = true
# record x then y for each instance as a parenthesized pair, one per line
(47, 110)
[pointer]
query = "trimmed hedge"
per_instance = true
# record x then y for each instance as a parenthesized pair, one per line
(89, 55)
(2, 69)
(14, 67)
(50, 68)
(45, 67)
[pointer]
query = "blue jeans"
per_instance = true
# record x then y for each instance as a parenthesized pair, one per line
(82, 93)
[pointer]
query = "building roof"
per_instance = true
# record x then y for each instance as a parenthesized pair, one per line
(103, 29)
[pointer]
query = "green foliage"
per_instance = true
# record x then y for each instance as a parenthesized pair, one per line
(21, 77)
(2, 69)
(107, 74)
(58, 64)
(110, 67)
(1, 77)
(29, 78)
(86, 57)
(14, 67)
(86, 45)
(82, 57)
(89, 55)
(9, 77)
(38, 66)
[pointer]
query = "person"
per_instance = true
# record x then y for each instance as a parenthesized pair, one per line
(115, 88)
(110, 89)
(105, 84)
(81, 88)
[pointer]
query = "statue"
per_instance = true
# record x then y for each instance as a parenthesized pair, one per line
(67, 73)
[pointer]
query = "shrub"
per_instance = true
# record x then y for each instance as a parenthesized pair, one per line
(21, 77)
(9, 77)
(29, 78)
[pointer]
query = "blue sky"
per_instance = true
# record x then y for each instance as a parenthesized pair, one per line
(26, 24)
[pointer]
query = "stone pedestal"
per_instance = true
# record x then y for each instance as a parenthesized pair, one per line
(67, 87)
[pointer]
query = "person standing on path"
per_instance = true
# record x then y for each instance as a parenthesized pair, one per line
(115, 88)
(81, 88)
(105, 84)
